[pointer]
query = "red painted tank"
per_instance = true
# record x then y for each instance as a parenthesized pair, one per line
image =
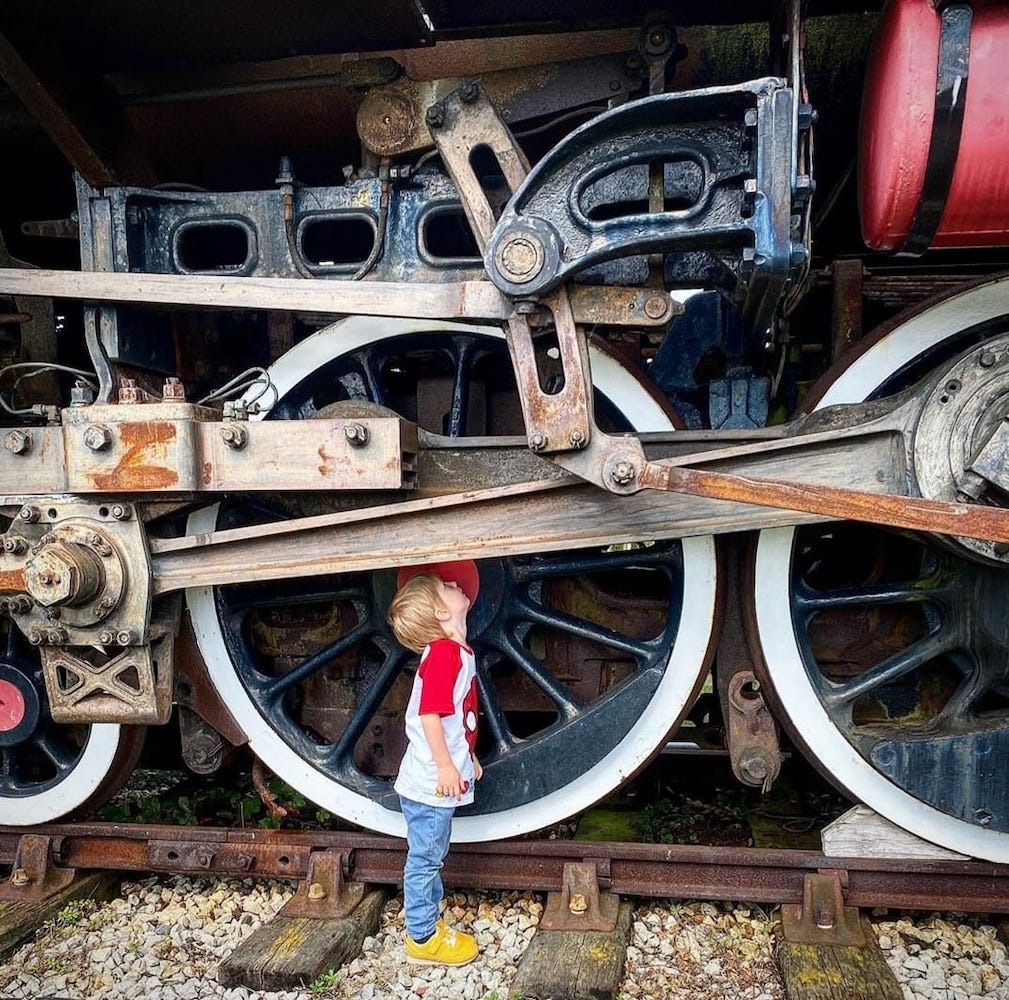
(897, 111)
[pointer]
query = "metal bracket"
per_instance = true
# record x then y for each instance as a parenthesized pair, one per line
(580, 905)
(34, 874)
(325, 894)
(752, 732)
(134, 686)
(822, 918)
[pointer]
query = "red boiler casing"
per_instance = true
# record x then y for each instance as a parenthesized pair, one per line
(898, 106)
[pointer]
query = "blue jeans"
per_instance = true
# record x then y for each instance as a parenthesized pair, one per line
(428, 829)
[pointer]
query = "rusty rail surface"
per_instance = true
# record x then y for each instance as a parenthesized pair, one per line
(758, 875)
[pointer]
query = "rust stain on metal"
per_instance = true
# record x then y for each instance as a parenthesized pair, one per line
(12, 580)
(208, 473)
(143, 464)
(328, 467)
(916, 513)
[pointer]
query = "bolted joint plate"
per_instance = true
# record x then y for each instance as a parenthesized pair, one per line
(175, 448)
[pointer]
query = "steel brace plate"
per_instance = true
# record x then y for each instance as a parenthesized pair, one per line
(822, 918)
(34, 874)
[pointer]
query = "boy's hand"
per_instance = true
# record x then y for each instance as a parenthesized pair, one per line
(449, 781)
(477, 769)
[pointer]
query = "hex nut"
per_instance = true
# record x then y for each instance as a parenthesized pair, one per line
(29, 514)
(356, 434)
(121, 511)
(18, 442)
(435, 115)
(97, 437)
(106, 637)
(125, 636)
(623, 473)
(173, 389)
(234, 436)
(754, 766)
(51, 578)
(15, 545)
(538, 442)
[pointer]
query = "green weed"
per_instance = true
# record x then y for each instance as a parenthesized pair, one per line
(324, 981)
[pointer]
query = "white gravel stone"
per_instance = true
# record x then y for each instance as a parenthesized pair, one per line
(165, 938)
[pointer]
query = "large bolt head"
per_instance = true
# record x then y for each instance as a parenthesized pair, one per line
(52, 578)
(521, 257)
(356, 434)
(97, 437)
(18, 442)
(234, 436)
(435, 115)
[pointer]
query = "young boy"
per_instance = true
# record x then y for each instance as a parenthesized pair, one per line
(428, 615)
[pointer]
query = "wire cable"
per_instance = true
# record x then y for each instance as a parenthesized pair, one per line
(36, 368)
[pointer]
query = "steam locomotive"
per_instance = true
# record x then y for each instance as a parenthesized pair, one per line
(687, 326)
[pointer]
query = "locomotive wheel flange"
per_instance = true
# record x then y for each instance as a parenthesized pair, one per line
(886, 652)
(556, 740)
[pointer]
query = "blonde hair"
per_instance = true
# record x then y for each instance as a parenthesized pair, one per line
(413, 612)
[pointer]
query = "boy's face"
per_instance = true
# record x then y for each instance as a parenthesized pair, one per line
(453, 597)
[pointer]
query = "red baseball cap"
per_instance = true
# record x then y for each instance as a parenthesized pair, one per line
(462, 572)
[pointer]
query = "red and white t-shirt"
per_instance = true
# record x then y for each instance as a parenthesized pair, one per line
(445, 685)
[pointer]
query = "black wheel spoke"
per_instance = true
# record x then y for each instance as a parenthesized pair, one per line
(371, 372)
(808, 601)
(569, 706)
(461, 381)
(588, 630)
(493, 715)
(276, 688)
(54, 749)
(891, 669)
(343, 749)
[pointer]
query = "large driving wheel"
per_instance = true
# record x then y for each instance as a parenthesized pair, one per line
(587, 659)
(889, 652)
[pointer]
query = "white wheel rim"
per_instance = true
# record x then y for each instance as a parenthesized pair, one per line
(74, 789)
(773, 595)
(672, 694)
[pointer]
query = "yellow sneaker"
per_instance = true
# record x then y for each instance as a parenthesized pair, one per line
(444, 947)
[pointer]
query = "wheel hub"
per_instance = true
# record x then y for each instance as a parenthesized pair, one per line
(19, 706)
(961, 435)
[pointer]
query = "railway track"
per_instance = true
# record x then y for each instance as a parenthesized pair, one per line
(56, 851)
(343, 880)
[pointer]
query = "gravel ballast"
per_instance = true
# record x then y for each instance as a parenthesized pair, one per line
(164, 938)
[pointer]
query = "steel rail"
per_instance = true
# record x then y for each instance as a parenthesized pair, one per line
(757, 875)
